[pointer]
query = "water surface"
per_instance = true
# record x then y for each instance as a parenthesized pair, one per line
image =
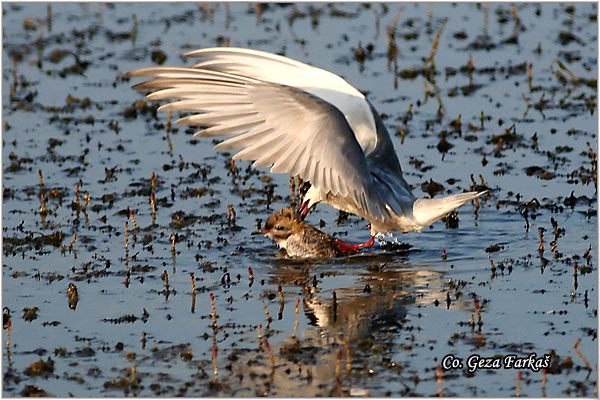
(510, 88)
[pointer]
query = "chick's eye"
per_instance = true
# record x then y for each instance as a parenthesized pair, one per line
(279, 227)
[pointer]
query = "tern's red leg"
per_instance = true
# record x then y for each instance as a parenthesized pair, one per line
(351, 248)
(303, 210)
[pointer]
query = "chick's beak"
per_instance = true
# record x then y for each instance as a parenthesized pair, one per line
(259, 232)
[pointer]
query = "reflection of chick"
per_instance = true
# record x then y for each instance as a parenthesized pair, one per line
(298, 238)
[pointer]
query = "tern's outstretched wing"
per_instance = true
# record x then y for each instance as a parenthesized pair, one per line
(269, 67)
(291, 130)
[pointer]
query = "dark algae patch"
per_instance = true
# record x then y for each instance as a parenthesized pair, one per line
(129, 268)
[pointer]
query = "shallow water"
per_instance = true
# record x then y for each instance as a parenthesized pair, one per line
(378, 323)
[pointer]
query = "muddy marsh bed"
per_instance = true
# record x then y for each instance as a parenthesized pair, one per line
(128, 264)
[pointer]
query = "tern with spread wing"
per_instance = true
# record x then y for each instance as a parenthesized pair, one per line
(303, 121)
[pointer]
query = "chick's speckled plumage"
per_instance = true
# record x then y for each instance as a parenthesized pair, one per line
(298, 238)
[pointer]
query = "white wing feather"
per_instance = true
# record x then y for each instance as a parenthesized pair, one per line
(283, 127)
(268, 67)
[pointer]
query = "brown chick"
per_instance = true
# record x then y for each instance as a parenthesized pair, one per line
(298, 238)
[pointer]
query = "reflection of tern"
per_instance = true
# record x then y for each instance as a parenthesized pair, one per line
(303, 121)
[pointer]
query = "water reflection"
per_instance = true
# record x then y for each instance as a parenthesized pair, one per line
(371, 296)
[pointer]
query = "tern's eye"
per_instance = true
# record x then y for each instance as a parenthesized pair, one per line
(279, 227)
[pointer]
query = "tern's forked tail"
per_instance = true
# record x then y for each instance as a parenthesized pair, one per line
(427, 211)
